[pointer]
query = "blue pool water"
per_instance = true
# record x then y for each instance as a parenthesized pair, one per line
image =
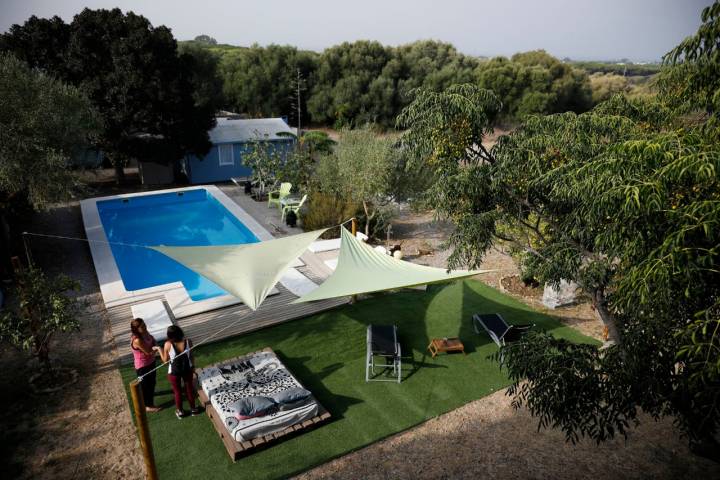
(188, 218)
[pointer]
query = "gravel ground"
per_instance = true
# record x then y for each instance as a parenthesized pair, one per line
(488, 439)
(85, 430)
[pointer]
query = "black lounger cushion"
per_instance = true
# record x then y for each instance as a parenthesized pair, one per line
(382, 338)
(494, 323)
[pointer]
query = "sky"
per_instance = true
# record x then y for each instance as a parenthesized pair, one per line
(640, 30)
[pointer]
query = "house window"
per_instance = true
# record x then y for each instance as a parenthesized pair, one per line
(225, 153)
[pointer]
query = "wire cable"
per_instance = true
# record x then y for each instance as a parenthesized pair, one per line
(187, 351)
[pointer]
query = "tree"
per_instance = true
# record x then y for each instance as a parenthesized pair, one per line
(626, 206)
(266, 159)
(341, 93)
(259, 80)
(205, 39)
(605, 85)
(535, 83)
(298, 166)
(646, 207)
(43, 123)
(360, 171)
(42, 309)
(207, 85)
(133, 75)
(40, 42)
(361, 82)
(316, 142)
(691, 79)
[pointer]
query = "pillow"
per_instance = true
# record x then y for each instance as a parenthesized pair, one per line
(291, 395)
(251, 407)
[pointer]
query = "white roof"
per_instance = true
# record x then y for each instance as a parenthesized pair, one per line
(241, 130)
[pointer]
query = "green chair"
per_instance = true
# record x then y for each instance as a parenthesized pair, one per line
(292, 206)
(276, 196)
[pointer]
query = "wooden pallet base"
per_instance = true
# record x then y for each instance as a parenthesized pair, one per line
(236, 449)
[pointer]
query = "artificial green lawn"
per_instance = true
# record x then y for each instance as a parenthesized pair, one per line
(326, 352)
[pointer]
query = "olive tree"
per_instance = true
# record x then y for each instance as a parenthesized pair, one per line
(360, 170)
(43, 123)
(42, 308)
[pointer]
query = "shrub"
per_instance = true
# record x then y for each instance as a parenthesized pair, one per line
(327, 210)
(606, 85)
(43, 308)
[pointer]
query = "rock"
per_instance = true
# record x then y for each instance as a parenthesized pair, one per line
(563, 295)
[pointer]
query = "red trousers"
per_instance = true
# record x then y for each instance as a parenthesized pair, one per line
(175, 382)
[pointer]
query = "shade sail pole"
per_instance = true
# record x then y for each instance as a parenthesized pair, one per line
(353, 298)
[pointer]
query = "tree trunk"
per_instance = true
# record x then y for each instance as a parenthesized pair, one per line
(119, 165)
(42, 351)
(5, 247)
(600, 303)
(367, 219)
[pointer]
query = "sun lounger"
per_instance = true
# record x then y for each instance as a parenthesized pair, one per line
(155, 316)
(382, 342)
(240, 181)
(297, 283)
(332, 244)
(498, 329)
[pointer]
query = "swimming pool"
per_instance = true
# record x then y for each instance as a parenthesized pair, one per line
(181, 218)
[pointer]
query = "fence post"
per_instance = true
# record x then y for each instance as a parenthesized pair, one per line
(142, 426)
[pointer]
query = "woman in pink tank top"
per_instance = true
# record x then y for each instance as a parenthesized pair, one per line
(144, 349)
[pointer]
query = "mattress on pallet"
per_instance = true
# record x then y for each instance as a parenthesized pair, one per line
(261, 374)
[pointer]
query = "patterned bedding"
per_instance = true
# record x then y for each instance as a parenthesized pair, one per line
(259, 375)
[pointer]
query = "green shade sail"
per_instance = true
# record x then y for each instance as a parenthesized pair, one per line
(248, 272)
(361, 269)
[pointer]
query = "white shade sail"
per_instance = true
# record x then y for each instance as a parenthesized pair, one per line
(249, 271)
(361, 269)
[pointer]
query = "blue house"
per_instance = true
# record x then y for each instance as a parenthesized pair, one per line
(231, 139)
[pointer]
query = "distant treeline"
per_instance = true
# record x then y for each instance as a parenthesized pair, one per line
(621, 68)
(365, 81)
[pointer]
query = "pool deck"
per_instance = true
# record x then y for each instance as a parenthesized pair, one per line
(237, 319)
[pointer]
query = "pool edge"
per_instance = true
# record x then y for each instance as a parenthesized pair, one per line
(111, 286)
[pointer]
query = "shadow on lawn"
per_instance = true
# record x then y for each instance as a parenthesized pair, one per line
(435, 313)
(336, 404)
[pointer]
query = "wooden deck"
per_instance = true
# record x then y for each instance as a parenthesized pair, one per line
(236, 319)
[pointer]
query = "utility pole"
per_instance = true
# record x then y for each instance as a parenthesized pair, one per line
(299, 87)
(299, 105)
